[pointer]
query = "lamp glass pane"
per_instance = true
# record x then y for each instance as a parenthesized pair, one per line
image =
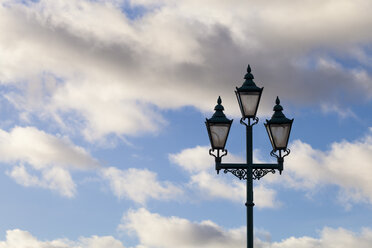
(249, 101)
(219, 135)
(270, 137)
(280, 133)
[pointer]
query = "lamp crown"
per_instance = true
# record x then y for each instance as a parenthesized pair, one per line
(278, 116)
(219, 107)
(249, 75)
(219, 116)
(278, 107)
(249, 85)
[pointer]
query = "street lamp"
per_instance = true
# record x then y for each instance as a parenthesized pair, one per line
(218, 127)
(248, 96)
(278, 129)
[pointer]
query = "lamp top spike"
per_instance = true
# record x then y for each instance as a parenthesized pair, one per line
(249, 76)
(219, 101)
(277, 101)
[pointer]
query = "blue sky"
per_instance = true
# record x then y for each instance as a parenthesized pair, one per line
(102, 110)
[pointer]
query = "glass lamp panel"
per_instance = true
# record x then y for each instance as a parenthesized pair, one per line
(280, 135)
(270, 137)
(249, 101)
(219, 134)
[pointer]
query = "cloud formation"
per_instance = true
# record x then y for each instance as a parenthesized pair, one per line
(345, 164)
(109, 74)
(27, 148)
(54, 178)
(154, 230)
(22, 239)
(329, 238)
(139, 185)
(40, 149)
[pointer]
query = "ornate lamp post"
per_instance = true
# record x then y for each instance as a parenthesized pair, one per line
(278, 129)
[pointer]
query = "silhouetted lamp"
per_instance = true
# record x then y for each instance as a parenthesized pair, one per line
(218, 127)
(248, 96)
(278, 128)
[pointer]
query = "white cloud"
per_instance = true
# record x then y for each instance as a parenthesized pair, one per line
(55, 178)
(192, 159)
(115, 75)
(214, 186)
(107, 109)
(329, 238)
(203, 178)
(51, 156)
(341, 112)
(139, 185)
(345, 164)
(42, 150)
(100, 242)
(22, 239)
(154, 230)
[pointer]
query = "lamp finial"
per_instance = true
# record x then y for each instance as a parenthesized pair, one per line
(277, 101)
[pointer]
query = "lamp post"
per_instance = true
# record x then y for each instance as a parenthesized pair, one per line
(278, 129)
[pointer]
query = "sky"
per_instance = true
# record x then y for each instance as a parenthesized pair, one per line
(102, 134)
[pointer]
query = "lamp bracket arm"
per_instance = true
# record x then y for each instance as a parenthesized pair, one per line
(277, 166)
(225, 166)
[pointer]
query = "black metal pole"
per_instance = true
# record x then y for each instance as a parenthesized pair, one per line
(248, 171)
(249, 202)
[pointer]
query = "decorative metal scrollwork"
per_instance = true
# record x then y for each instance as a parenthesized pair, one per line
(286, 153)
(218, 155)
(239, 173)
(254, 121)
(259, 173)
